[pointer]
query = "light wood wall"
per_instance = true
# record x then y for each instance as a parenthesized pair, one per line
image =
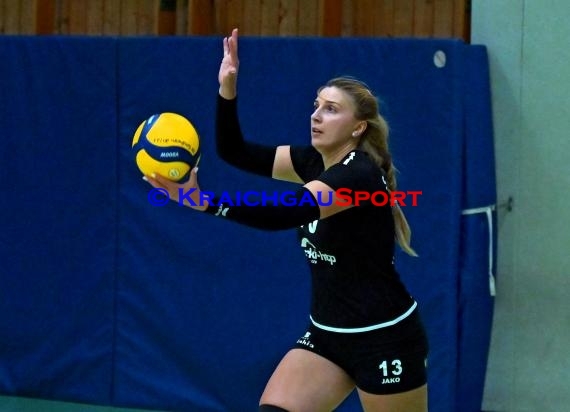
(341, 18)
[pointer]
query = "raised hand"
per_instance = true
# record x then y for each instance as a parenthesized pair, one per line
(229, 67)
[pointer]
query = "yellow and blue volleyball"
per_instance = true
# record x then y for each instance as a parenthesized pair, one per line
(166, 144)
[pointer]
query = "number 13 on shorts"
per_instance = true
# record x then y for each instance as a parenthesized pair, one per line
(394, 369)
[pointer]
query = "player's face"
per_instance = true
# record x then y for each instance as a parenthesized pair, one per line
(333, 121)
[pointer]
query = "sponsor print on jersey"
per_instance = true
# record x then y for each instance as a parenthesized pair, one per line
(313, 254)
(306, 340)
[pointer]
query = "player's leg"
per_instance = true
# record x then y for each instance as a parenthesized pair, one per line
(415, 400)
(306, 382)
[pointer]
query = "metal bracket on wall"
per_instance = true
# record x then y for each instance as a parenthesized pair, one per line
(506, 205)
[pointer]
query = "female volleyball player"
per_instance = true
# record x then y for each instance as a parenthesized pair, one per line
(364, 331)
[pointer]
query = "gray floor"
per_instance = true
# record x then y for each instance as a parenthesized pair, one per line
(13, 404)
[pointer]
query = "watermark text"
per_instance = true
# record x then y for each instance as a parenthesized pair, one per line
(343, 197)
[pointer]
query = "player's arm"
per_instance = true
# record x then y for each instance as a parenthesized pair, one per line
(310, 202)
(230, 144)
(330, 201)
(285, 211)
(283, 166)
(263, 160)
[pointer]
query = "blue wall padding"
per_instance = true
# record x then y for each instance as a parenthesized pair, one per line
(478, 233)
(58, 217)
(108, 299)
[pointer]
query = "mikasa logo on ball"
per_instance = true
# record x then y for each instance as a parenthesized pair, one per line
(169, 154)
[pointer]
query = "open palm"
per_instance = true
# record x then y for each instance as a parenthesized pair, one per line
(229, 66)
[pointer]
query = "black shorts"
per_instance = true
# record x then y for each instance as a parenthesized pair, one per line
(382, 361)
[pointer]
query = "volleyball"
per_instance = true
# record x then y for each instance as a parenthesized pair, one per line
(166, 144)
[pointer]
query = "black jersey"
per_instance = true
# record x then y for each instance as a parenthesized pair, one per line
(351, 254)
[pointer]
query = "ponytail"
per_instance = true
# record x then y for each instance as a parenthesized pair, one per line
(403, 231)
(374, 141)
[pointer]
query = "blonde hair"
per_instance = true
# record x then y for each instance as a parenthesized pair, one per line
(374, 141)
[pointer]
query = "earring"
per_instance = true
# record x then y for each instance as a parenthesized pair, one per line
(354, 134)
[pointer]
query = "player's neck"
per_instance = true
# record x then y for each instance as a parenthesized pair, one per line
(335, 155)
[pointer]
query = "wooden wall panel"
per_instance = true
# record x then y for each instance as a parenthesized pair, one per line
(251, 24)
(347, 18)
(45, 16)
(111, 17)
(269, 18)
(220, 10)
(128, 17)
(329, 18)
(385, 18)
(403, 18)
(363, 18)
(201, 18)
(147, 17)
(308, 17)
(288, 17)
(443, 17)
(462, 19)
(181, 22)
(423, 18)
(2, 16)
(165, 18)
(28, 14)
(77, 16)
(94, 17)
(11, 17)
(229, 14)
(61, 17)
